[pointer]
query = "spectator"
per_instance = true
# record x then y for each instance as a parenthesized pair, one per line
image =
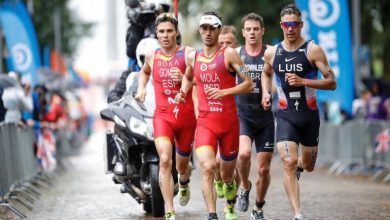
(359, 105)
(16, 99)
(378, 106)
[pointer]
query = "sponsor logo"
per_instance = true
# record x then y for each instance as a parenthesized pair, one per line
(296, 104)
(288, 60)
(167, 92)
(22, 56)
(214, 103)
(176, 111)
(203, 67)
(212, 66)
(279, 51)
(295, 95)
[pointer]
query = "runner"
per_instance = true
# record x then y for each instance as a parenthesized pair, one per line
(296, 62)
(256, 124)
(215, 69)
(171, 121)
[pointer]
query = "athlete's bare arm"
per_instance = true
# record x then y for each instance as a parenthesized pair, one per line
(175, 73)
(186, 82)
(233, 62)
(318, 58)
(144, 76)
(266, 77)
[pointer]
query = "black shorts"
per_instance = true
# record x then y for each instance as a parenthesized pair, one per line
(261, 130)
(298, 128)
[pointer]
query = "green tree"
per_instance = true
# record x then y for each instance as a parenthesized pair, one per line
(72, 28)
(375, 27)
(232, 11)
(375, 22)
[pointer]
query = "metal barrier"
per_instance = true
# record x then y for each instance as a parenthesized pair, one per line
(350, 148)
(17, 165)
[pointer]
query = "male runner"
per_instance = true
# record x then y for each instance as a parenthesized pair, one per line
(256, 124)
(296, 62)
(227, 37)
(215, 69)
(171, 121)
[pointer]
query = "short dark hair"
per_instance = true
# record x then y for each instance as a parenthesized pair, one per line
(253, 17)
(166, 17)
(290, 9)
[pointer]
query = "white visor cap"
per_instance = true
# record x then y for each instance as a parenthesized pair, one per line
(210, 20)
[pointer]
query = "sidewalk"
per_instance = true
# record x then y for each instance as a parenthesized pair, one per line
(85, 192)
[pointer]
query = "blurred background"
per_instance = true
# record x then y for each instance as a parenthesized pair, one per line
(59, 59)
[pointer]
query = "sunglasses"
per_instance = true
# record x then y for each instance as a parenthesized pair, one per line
(292, 24)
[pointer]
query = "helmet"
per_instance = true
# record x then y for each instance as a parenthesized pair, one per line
(160, 5)
(144, 46)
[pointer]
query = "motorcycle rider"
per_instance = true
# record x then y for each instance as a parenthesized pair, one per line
(173, 123)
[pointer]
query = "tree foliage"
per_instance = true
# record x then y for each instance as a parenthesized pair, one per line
(375, 21)
(72, 28)
(376, 31)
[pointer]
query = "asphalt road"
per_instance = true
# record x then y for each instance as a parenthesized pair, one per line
(84, 191)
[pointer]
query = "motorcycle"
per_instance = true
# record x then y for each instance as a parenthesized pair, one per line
(130, 151)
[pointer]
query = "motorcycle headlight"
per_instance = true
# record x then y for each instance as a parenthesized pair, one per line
(140, 127)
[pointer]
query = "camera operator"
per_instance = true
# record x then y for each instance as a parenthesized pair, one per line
(141, 16)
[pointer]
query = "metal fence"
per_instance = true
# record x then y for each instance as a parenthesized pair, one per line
(350, 148)
(19, 177)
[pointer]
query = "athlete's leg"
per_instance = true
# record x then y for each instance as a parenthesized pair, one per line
(288, 152)
(164, 149)
(263, 175)
(205, 149)
(163, 140)
(206, 158)
(182, 166)
(308, 158)
(244, 161)
(218, 183)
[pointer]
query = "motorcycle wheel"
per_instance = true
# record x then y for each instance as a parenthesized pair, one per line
(156, 198)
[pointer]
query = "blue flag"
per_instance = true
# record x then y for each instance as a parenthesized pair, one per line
(21, 40)
(327, 23)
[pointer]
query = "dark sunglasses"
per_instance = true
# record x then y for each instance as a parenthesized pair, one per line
(292, 24)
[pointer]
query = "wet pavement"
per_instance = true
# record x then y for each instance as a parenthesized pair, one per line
(84, 191)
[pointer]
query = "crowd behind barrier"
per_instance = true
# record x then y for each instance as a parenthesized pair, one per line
(356, 147)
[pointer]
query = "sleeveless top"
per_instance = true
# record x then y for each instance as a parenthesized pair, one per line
(294, 99)
(251, 102)
(164, 87)
(211, 72)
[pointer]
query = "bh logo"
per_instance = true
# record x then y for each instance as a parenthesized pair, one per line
(22, 56)
(324, 13)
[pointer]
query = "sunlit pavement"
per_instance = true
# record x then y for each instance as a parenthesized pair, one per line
(84, 191)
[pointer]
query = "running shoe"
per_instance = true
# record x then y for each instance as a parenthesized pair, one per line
(212, 216)
(170, 216)
(230, 213)
(184, 193)
(243, 198)
(257, 215)
(230, 190)
(218, 184)
(299, 217)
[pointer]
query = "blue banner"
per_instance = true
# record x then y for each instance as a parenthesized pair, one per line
(21, 40)
(327, 23)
